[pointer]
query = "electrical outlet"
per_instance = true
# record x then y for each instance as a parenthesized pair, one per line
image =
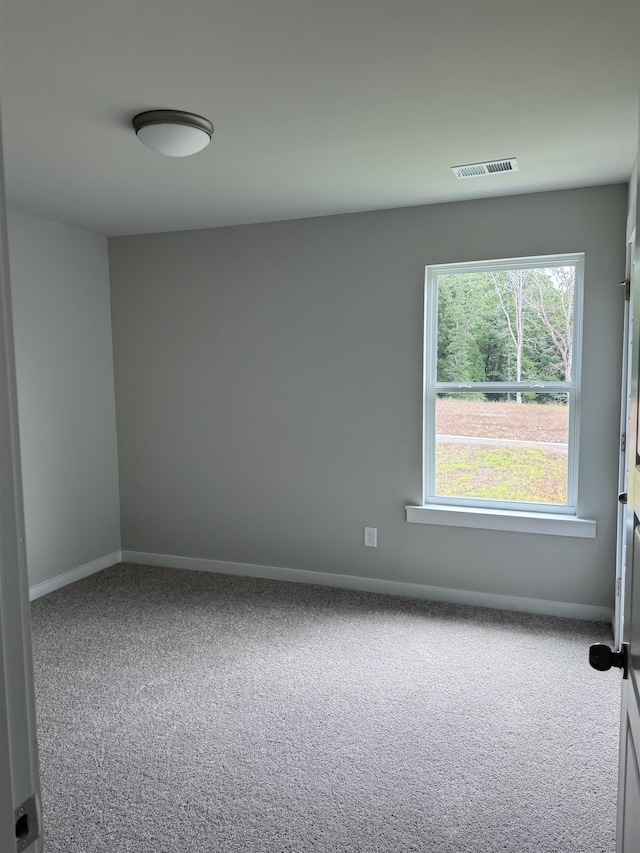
(371, 537)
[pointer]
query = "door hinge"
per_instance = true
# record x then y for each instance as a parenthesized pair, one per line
(618, 587)
(27, 818)
(627, 288)
(623, 442)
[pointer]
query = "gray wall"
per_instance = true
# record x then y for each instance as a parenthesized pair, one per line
(64, 367)
(268, 392)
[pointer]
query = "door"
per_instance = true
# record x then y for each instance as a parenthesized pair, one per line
(19, 783)
(628, 834)
(627, 622)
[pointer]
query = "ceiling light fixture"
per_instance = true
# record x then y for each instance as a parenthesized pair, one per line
(173, 132)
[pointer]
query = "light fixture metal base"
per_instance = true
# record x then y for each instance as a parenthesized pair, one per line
(172, 117)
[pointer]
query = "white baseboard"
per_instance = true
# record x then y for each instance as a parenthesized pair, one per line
(589, 612)
(73, 575)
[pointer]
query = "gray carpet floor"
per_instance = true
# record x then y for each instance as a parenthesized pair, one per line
(189, 711)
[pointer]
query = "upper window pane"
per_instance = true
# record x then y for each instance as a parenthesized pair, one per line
(508, 325)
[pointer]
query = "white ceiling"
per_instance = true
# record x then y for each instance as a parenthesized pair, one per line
(319, 106)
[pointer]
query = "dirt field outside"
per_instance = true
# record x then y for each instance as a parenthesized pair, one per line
(524, 422)
(532, 469)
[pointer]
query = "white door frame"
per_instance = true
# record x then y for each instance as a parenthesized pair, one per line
(625, 419)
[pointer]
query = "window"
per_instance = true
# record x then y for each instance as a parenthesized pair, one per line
(502, 389)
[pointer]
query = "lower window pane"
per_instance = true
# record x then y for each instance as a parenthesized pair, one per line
(501, 448)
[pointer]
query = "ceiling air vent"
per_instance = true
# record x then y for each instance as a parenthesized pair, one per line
(493, 167)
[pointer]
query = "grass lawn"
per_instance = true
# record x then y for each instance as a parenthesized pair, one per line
(501, 473)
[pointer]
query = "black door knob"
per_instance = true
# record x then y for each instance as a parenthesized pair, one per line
(602, 658)
(623, 497)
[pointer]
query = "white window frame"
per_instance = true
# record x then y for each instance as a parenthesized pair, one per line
(482, 512)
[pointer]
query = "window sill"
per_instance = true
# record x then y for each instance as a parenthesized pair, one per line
(493, 519)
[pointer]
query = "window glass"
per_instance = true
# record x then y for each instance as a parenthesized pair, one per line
(506, 325)
(498, 449)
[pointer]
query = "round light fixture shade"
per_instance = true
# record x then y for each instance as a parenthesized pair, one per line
(173, 132)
